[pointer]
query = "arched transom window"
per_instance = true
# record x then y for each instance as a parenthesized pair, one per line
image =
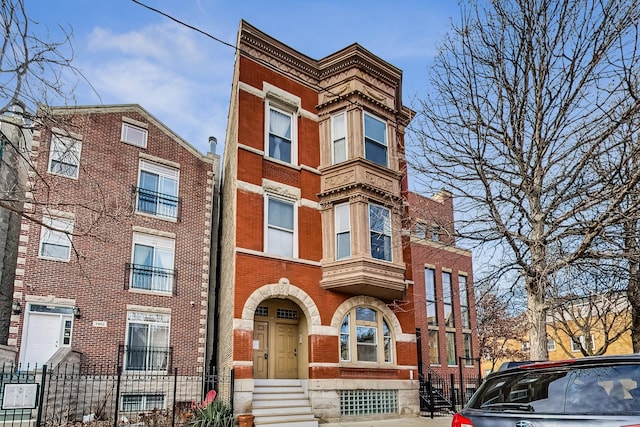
(365, 336)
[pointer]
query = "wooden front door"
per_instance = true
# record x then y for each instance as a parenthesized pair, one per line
(286, 357)
(260, 351)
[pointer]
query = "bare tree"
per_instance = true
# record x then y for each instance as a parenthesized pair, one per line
(527, 96)
(588, 308)
(501, 335)
(34, 71)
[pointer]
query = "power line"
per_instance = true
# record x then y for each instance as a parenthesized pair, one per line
(237, 49)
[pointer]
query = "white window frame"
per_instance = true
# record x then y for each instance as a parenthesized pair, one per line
(294, 132)
(56, 231)
(551, 344)
(269, 247)
(130, 130)
(66, 151)
(575, 349)
(164, 173)
(348, 347)
(384, 143)
(156, 320)
(157, 243)
(342, 221)
(338, 133)
(386, 231)
(143, 404)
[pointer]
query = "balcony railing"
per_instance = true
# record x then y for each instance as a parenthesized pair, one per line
(146, 358)
(159, 204)
(146, 277)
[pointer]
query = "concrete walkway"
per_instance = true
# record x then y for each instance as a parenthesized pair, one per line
(400, 422)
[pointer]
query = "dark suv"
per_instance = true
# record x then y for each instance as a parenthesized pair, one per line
(593, 391)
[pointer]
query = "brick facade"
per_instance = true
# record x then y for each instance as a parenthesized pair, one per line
(309, 280)
(101, 201)
(440, 254)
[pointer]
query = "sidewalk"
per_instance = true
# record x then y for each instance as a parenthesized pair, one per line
(400, 422)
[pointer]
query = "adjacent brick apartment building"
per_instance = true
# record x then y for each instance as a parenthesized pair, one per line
(443, 290)
(115, 263)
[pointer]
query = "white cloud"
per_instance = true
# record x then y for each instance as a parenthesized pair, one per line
(177, 75)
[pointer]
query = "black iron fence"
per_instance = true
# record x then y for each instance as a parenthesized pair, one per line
(75, 395)
(443, 396)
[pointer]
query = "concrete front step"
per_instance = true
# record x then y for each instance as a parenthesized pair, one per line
(281, 403)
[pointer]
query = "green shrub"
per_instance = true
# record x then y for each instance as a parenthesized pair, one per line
(215, 414)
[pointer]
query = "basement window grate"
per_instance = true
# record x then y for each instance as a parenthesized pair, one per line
(368, 402)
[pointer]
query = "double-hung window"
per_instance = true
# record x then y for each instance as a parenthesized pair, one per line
(343, 231)
(152, 263)
(64, 156)
(366, 330)
(375, 140)
(55, 238)
(134, 135)
(380, 232)
(147, 341)
(158, 190)
(339, 138)
(281, 135)
(280, 239)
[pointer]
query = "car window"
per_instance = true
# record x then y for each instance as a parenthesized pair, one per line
(606, 389)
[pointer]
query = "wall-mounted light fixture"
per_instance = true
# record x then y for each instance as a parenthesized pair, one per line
(16, 308)
(76, 312)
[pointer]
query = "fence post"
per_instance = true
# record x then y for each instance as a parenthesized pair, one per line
(462, 389)
(43, 382)
(453, 392)
(175, 390)
(231, 398)
(117, 403)
(432, 399)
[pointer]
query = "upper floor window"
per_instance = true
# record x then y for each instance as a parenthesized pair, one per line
(152, 263)
(281, 133)
(432, 300)
(64, 157)
(375, 140)
(158, 190)
(468, 349)
(134, 135)
(435, 233)
(380, 232)
(55, 238)
(447, 298)
(551, 344)
(367, 331)
(463, 290)
(420, 230)
(343, 231)
(280, 236)
(147, 347)
(339, 137)
(583, 343)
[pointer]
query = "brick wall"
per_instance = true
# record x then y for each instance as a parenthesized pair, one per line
(104, 207)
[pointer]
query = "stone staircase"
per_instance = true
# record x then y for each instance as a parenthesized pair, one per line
(281, 403)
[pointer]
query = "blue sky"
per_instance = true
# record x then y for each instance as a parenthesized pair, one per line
(130, 54)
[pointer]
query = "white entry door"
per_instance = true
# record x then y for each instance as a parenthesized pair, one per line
(45, 333)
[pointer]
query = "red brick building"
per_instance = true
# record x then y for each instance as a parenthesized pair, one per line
(312, 248)
(115, 263)
(443, 289)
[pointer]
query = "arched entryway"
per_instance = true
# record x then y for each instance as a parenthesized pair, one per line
(283, 316)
